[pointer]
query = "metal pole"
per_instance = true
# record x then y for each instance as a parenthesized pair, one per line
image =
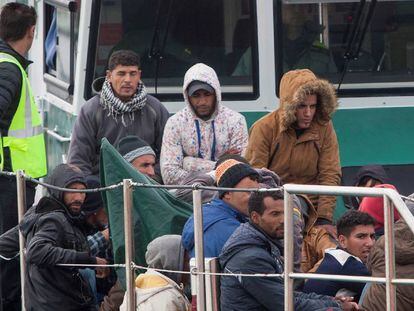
(389, 254)
(21, 209)
(199, 249)
(288, 240)
(129, 245)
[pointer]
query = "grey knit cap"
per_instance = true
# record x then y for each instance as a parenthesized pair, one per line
(132, 147)
(166, 252)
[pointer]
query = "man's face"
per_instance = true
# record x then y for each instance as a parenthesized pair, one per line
(359, 242)
(124, 81)
(240, 200)
(145, 164)
(74, 200)
(272, 219)
(305, 112)
(203, 103)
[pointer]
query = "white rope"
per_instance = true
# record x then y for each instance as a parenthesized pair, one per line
(7, 258)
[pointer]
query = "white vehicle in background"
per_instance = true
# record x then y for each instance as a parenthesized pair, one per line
(365, 47)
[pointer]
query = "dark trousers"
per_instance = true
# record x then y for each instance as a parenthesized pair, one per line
(9, 270)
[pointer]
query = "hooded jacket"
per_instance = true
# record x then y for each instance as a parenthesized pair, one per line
(155, 291)
(54, 236)
(313, 157)
(181, 146)
(250, 251)
(404, 267)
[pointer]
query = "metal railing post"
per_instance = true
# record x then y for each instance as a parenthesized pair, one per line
(288, 241)
(389, 254)
(199, 249)
(129, 245)
(21, 209)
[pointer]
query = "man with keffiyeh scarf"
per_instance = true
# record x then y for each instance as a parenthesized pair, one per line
(122, 108)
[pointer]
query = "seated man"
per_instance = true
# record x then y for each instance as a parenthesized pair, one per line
(163, 291)
(195, 137)
(222, 216)
(374, 206)
(404, 267)
(54, 235)
(139, 153)
(256, 247)
(356, 236)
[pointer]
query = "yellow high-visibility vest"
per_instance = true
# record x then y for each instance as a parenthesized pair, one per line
(25, 138)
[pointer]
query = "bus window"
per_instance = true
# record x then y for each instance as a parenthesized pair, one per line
(61, 29)
(170, 36)
(364, 46)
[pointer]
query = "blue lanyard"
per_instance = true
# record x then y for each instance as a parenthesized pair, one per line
(213, 147)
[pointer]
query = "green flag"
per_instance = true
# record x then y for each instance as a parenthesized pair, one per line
(156, 212)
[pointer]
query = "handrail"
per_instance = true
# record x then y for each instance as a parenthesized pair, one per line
(391, 199)
(389, 195)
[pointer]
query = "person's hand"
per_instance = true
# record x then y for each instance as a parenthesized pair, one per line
(349, 306)
(101, 261)
(101, 272)
(330, 229)
(344, 298)
(106, 234)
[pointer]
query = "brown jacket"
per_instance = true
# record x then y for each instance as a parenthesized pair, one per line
(313, 158)
(315, 241)
(404, 263)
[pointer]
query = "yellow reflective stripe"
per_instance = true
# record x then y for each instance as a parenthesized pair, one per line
(26, 90)
(27, 132)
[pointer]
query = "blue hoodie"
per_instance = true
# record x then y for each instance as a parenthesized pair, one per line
(220, 220)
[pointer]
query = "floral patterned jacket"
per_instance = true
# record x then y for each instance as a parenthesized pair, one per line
(182, 151)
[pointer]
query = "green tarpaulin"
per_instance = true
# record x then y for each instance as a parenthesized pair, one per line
(156, 212)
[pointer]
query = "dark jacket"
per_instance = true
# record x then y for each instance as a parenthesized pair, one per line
(10, 88)
(93, 124)
(54, 237)
(249, 251)
(338, 261)
(219, 222)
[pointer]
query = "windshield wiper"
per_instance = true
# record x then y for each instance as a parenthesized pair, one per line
(156, 49)
(357, 37)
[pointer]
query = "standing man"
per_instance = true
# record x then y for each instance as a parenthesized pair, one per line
(55, 235)
(22, 145)
(122, 108)
(298, 140)
(203, 131)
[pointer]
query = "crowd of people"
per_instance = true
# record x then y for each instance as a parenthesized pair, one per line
(205, 143)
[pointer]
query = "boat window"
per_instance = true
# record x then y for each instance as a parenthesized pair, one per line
(171, 36)
(61, 30)
(363, 46)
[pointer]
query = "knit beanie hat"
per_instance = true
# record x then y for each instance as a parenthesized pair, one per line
(166, 252)
(230, 172)
(93, 201)
(374, 206)
(132, 147)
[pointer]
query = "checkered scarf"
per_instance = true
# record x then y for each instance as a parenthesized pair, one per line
(116, 107)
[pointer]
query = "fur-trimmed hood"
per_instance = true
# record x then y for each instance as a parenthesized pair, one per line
(295, 86)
